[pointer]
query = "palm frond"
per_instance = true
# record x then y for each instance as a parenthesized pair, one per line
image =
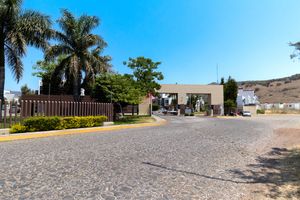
(17, 42)
(35, 27)
(88, 23)
(57, 50)
(60, 68)
(15, 63)
(67, 22)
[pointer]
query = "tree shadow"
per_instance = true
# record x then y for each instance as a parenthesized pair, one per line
(195, 174)
(278, 172)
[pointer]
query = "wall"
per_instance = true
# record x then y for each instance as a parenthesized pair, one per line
(252, 109)
(215, 91)
(144, 106)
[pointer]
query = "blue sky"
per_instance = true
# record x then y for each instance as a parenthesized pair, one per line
(248, 39)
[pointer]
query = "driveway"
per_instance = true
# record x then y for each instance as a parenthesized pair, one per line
(189, 158)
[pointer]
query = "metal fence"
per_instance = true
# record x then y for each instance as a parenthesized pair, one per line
(11, 114)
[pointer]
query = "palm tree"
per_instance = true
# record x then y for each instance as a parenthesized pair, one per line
(17, 30)
(75, 42)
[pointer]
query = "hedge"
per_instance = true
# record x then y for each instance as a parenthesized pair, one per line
(260, 111)
(32, 124)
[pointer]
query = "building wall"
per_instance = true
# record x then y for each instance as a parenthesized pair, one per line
(215, 91)
(251, 109)
(144, 107)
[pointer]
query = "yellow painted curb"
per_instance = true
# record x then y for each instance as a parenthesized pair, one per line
(24, 136)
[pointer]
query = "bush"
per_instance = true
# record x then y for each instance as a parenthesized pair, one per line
(186, 114)
(56, 123)
(18, 128)
(155, 107)
(260, 111)
(43, 123)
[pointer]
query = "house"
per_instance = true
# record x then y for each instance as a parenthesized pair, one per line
(12, 96)
(247, 100)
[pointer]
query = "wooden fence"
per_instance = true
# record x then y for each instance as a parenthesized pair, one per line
(28, 108)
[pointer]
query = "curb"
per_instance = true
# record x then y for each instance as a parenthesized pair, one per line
(25, 136)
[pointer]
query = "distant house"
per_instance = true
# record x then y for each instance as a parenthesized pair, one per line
(12, 96)
(247, 100)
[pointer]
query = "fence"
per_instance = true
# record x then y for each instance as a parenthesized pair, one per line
(11, 114)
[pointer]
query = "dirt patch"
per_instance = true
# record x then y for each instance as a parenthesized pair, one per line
(276, 174)
(287, 138)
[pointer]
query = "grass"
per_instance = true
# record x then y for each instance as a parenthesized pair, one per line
(134, 120)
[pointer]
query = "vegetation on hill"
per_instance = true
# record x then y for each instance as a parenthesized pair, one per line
(280, 90)
(268, 82)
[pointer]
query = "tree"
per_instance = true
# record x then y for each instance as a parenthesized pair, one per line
(117, 88)
(222, 81)
(230, 90)
(25, 90)
(17, 30)
(230, 93)
(145, 74)
(75, 42)
(296, 52)
(44, 70)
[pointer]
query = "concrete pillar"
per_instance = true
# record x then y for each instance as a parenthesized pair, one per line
(182, 109)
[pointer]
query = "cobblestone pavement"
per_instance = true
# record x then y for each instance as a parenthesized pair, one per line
(189, 158)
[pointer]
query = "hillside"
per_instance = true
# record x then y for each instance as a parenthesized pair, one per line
(281, 90)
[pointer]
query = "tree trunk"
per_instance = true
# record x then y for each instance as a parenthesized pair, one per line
(2, 65)
(76, 86)
(121, 109)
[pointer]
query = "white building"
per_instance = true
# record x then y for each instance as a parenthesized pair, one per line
(246, 98)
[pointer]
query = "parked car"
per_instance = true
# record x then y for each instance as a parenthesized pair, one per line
(232, 113)
(246, 113)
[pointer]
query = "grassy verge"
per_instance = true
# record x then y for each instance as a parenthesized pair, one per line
(134, 120)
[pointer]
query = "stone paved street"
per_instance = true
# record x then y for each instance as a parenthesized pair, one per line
(189, 158)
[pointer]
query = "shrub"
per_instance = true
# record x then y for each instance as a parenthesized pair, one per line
(155, 107)
(260, 111)
(186, 114)
(42, 123)
(18, 128)
(56, 123)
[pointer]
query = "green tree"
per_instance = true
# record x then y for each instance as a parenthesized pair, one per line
(144, 71)
(222, 81)
(25, 90)
(230, 89)
(75, 42)
(296, 51)
(18, 29)
(117, 88)
(44, 70)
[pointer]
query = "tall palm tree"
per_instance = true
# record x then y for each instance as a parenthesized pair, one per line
(18, 29)
(75, 41)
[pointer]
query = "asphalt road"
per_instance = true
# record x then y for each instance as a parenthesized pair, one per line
(189, 158)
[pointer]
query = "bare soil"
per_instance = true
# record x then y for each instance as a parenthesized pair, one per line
(277, 172)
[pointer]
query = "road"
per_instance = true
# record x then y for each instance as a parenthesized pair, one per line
(189, 158)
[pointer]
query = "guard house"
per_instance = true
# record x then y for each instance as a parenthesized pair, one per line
(185, 95)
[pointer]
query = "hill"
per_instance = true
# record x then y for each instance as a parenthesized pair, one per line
(281, 90)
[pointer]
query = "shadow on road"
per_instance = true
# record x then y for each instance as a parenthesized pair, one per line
(195, 174)
(277, 174)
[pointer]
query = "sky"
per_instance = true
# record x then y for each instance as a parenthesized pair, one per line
(246, 39)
